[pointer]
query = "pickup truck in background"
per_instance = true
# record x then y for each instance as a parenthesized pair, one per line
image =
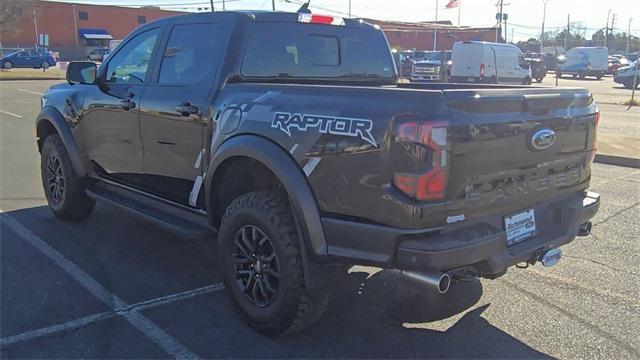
(435, 67)
(289, 134)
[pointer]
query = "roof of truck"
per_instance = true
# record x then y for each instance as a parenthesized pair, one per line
(266, 16)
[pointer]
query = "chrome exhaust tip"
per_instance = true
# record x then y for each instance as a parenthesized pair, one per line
(584, 229)
(551, 257)
(435, 279)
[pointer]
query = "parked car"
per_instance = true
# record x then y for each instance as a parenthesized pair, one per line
(613, 64)
(431, 68)
(28, 59)
(538, 68)
(486, 62)
(584, 61)
(290, 134)
(98, 54)
(625, 75)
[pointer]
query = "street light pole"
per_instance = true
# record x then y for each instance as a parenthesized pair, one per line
(544, 18)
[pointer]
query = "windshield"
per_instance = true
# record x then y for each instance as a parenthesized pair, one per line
(286, 50)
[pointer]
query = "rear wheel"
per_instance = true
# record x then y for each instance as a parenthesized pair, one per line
(259, 249)
(539, 79)
(44, 65)
(62, 187)
(7, 65)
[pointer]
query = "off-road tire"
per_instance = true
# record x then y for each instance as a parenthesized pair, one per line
(293, 308)
(73, 204)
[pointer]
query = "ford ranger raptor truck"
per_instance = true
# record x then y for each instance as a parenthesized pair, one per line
(289, 135)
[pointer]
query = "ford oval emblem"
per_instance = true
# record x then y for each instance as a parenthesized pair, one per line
(543, 139)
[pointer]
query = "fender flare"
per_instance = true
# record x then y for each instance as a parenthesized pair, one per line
(53, 117)
(295, 183)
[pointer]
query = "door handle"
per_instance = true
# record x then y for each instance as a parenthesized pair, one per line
(186, 109)
(127, 104)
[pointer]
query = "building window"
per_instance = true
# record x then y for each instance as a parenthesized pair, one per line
(142, 19)
(83, 15)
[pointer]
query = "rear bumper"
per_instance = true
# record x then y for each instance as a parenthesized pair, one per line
(477, 248)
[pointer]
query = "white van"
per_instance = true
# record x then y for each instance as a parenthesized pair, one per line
(486, 62)
(585, 61)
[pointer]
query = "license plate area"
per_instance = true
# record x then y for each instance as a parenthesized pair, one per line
(520, 226)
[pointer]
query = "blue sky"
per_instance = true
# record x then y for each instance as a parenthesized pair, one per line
(525, 16)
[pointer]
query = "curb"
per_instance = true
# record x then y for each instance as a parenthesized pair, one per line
(31, 78)
(617, 160)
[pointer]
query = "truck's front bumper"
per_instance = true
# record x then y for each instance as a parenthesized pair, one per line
(478, 248)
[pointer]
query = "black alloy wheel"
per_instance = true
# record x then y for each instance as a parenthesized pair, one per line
(256, 266)
(55, 178)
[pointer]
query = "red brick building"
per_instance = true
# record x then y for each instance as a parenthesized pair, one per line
(69, 26)
(74, 29)
(419, 36)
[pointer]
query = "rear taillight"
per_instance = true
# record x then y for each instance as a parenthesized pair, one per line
(320, 19)
(423, 176)
(481, 71)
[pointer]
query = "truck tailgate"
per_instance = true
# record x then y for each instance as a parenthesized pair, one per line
(512, 148)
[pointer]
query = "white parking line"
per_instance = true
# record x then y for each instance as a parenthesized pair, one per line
(10, 114)
(31, 92)
(87, 320)
(165, 341)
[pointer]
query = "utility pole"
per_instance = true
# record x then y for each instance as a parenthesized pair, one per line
(349, 9)
(506, 16)
(628, 37)
(224, 6)
(435, 28)
(606, 29)
(35, 24)
(273, 5)
(544, 18)
(75, 23)
(566, 34)
(613, 24)
(212, 8)
(501, 5)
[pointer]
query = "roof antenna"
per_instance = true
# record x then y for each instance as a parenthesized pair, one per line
(304, 9)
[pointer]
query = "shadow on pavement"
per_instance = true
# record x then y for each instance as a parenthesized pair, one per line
(372, 315)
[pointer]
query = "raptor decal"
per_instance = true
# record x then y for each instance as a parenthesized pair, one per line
(360, 128)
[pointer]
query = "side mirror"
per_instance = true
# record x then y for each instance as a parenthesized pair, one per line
(81, 72)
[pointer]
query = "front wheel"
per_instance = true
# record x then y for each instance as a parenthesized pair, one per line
(44, 65)
(7, 65)
(261, 259)
(62, 187)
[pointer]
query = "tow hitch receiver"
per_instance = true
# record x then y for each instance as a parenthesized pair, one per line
(551, 257)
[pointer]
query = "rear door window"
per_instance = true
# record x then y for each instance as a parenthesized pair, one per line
(192, 52)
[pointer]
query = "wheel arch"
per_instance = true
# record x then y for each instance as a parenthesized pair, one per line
(287, 172)
(50, 121)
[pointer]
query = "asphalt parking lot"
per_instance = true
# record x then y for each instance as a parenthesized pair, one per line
(114, 286)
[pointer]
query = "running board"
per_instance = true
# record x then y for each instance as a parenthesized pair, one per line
(190, 223)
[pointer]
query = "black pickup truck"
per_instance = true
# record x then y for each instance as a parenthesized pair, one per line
(289, 135)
